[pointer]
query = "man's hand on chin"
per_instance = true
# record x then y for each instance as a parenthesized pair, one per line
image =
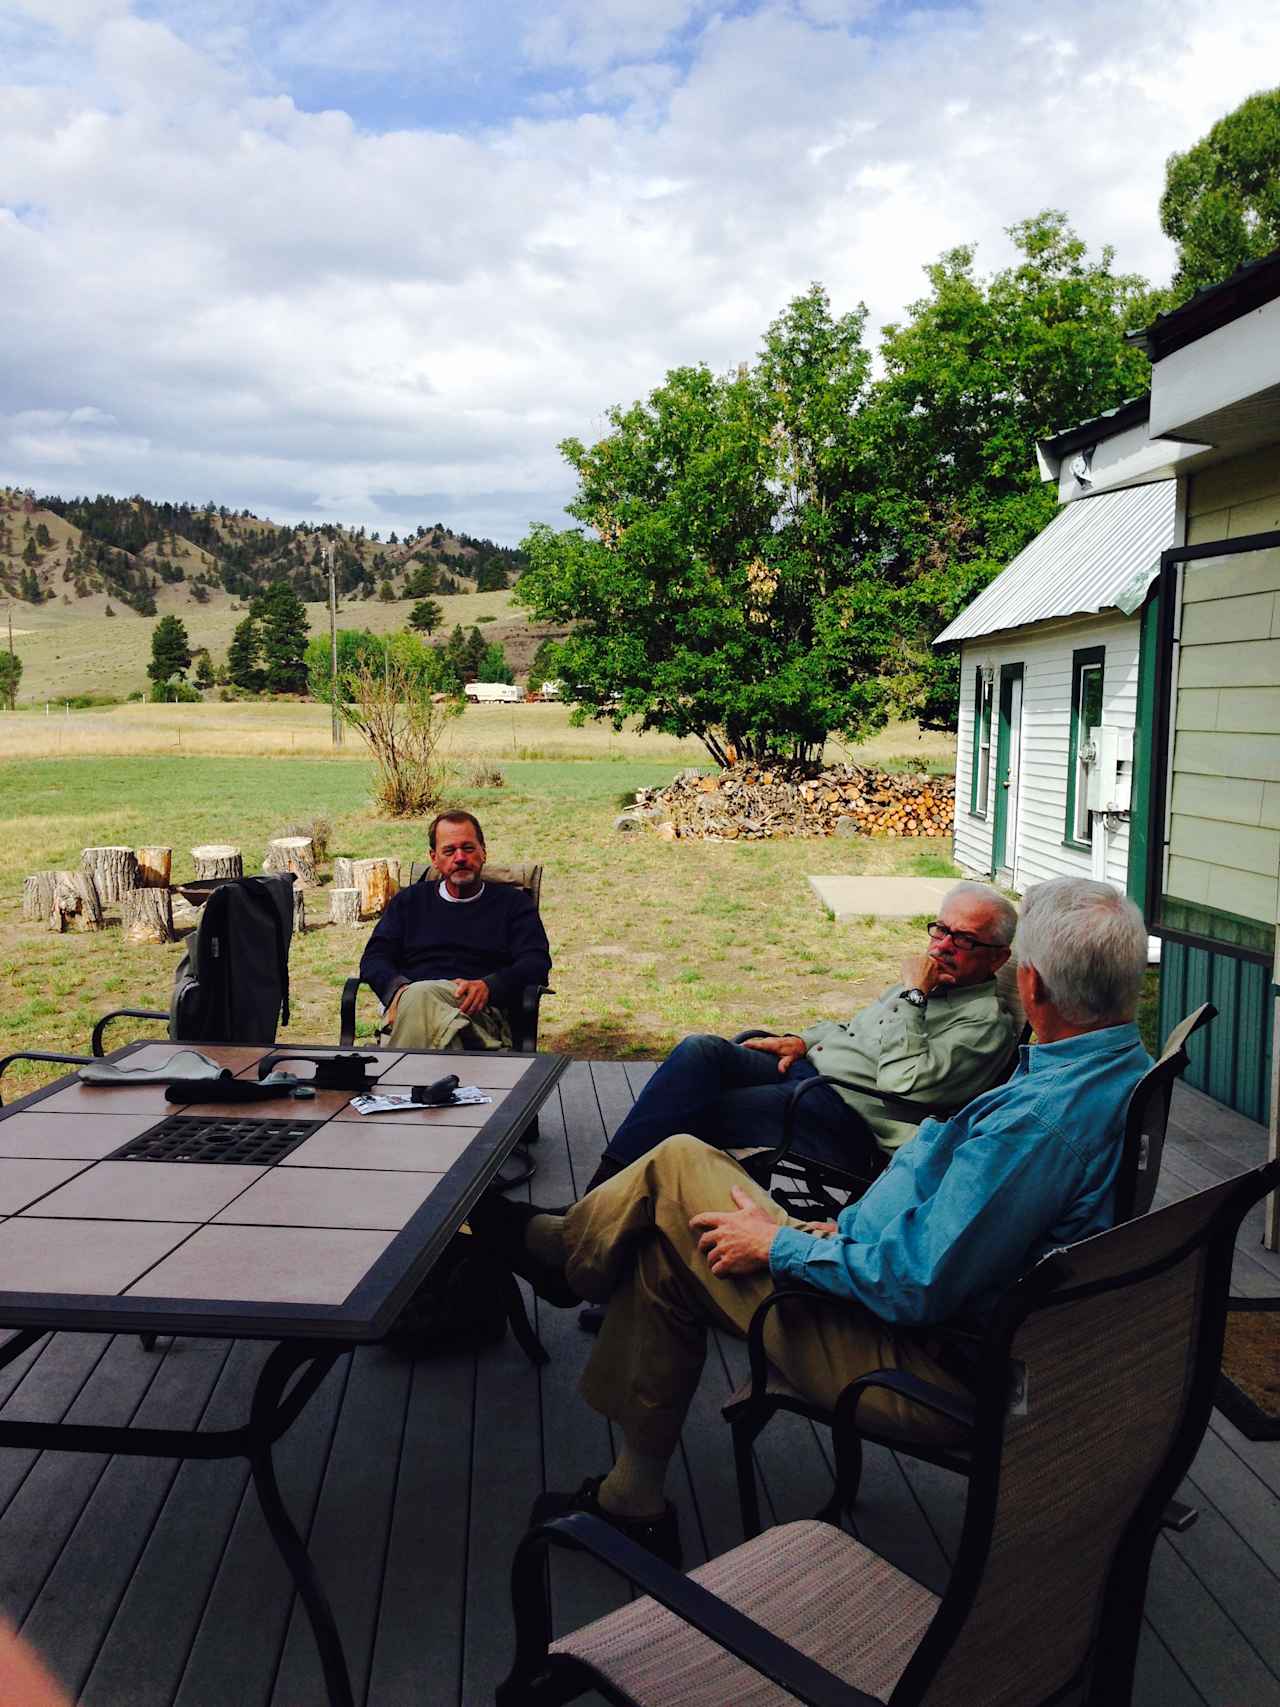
(923, 972)
(472, 993)
(736, 1241)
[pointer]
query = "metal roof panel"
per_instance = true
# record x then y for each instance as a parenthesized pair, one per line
(1088, 555)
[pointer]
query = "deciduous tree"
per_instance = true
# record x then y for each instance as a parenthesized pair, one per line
(1221, 201)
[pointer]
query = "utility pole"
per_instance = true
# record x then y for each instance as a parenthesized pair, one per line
(333, 647)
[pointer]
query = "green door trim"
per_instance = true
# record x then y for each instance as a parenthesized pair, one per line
(1009, 673)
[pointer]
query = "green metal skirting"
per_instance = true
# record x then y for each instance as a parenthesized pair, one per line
(1230, 1059)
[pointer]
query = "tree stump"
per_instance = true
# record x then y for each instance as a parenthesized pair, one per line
(344, 906)
(114, 871)
(292, 853)
(185, 914)
(343, 877)
(154, 867)
(75, 897)
(147, 916)
(217, 859)
(373, 880)
(299, 910)
(37, 895)
(393, 871)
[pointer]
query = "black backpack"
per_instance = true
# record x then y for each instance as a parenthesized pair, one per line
(232, 984)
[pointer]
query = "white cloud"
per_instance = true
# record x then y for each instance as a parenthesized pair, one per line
(217, 285)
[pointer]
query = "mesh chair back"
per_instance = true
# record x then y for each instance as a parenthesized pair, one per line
(1147, 1120)
(526, 876)
(1113, 1382)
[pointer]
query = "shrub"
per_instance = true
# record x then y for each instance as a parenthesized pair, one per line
(485, 775)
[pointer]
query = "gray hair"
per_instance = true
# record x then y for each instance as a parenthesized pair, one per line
(1088, 942)
(1004, 915)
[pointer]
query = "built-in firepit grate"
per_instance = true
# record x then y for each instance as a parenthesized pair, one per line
(217, 1138)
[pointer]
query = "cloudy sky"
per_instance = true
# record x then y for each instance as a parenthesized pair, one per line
(370, 262)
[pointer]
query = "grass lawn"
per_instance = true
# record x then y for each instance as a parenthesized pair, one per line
(651, 939)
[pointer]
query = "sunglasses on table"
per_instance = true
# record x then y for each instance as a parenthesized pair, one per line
(962, 939)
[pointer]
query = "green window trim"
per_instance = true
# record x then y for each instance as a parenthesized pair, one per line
(1088, 668)
(980, 771)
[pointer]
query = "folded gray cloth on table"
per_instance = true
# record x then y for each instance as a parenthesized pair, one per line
(182, 1064)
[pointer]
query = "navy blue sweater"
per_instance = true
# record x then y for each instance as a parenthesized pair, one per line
(497, 937)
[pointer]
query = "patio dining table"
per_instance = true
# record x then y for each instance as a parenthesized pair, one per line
(300, 1221)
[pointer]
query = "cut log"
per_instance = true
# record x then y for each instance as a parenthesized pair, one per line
(114, 871)
(217, 859)
(185, 914)
(75, 897)
(37, 895)
(344, 906)
(299, 910)
(393, 871)
(292, 853)
(342, 874)
(147, 916)
(154, 867)
(373, 880)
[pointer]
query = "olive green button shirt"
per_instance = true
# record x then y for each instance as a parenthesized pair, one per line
(942, 1055)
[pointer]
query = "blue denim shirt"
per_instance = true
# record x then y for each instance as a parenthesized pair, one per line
(972, 1201)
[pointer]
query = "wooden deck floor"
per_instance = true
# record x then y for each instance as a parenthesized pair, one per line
(145, 1583)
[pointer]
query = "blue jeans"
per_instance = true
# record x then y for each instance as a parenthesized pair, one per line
(732, 1097)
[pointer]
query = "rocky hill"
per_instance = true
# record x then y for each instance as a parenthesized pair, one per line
(105, 553)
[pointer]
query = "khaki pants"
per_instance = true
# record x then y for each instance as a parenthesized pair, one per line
(427, 1017)
(628, 1244)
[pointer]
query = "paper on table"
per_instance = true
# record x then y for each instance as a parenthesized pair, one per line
(384, 1104)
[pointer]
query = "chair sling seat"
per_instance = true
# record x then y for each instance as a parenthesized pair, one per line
(808, 1583)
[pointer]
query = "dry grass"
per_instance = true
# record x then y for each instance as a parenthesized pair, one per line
(651, 939)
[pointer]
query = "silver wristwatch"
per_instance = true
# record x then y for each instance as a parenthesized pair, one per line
(917, 998)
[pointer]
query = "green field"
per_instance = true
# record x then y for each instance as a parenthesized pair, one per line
(651, 939)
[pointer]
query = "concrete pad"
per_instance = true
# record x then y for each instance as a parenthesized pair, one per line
(881, 897)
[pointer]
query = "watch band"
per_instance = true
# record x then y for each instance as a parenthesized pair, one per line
(917, 998)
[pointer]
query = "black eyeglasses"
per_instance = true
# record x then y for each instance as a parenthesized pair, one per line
(962, 939)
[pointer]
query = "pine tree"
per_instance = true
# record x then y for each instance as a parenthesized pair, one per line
(170, 650)
(284, 638)
(29, 553)
(475, 651)
(10, 676)
(242, 657)
(204, 668)
(426, 616)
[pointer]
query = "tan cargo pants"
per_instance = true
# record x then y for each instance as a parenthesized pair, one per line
(629, 1245)
(428, 1017)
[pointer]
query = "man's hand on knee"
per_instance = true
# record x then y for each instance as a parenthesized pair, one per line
(472, 993)
(736, 1241)
(788, 1049)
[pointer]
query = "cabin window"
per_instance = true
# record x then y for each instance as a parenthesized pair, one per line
(1087, 668)
(983, 682)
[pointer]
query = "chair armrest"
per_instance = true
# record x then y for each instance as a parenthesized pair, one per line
(95, 1042)
(956, 1407)
(523, 1014)
(757, 1356)
(347, 1013)
(743, 1036)
(730, 1629)
(45, 1055)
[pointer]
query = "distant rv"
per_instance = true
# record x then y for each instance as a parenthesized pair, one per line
(551, 690)
(493, 693)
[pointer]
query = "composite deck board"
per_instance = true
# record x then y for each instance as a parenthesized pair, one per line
(148, 1584)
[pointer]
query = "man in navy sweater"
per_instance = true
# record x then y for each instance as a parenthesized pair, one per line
(446, 955)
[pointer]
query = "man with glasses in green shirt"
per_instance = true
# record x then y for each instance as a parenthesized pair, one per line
(938, 1038)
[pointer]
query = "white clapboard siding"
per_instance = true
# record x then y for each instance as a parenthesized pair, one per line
(1044, 651)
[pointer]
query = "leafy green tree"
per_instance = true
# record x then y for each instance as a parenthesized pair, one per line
(944, 487)
(706, 601)
(544, 665)
(493, 666)
(170, 650)
(284, 626)
(10, 676)
(1221, 201)
(426, 616)
(243, 668)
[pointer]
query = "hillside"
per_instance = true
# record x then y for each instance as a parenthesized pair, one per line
(79, 573)
(146, 556)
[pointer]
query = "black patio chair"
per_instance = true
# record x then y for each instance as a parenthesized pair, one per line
(1095, 1380)
(232, 985)
(767, 1391)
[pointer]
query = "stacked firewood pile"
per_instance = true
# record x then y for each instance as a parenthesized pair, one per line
(753, 801)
